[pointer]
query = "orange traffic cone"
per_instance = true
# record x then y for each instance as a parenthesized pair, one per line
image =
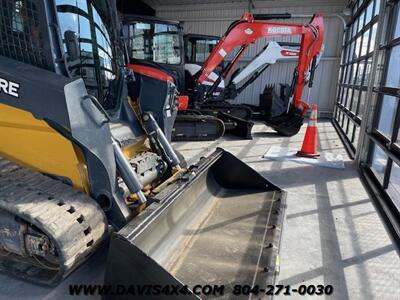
(309, 148)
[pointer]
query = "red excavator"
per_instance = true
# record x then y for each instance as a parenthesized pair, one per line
(206, 106)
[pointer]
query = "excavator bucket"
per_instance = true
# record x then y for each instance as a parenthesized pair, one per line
(219, 225)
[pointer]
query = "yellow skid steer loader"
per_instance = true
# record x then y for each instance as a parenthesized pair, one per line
(82, 158)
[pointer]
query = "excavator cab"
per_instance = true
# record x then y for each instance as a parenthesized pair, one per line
(155, 51)
(154, 55)
(198, 47)
(80, 155)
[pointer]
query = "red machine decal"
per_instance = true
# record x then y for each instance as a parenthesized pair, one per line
(183, 103)
(151, 72)
(289, 53)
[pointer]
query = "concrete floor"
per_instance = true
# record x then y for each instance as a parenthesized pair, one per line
(332, 233)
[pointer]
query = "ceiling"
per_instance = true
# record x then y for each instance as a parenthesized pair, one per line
(158, 3)
(185, 2)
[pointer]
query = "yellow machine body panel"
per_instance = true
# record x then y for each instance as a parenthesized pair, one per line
(131, 150)
(34, 144)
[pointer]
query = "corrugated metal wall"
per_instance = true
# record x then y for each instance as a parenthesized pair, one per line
(214, 18)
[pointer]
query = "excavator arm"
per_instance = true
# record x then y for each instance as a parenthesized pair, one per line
(249, 29)
(272, 53)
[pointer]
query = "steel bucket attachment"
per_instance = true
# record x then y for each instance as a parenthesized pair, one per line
(287, 124)
(274, 110)
(220, 224)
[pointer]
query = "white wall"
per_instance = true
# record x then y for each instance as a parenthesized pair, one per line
(214, 18)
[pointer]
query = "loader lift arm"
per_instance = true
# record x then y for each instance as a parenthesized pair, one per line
(249, 29)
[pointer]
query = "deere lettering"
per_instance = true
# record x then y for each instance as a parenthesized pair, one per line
(10, 88)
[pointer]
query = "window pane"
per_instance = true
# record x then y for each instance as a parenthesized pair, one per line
(367, 71)
(338, 115)
(378, 163)
(364, 45)
(358, 48)
(356, 93)
(105, 60)
(344, 54)
(68, 21)
(200, 50)
(82, 4)
(377, 7)
(398, 138)
(373, 37)
(346, 125)
(341, 72)
(341, 92)
(353, 73)
(361, 22)
(349, 97)
(353, 131)
(338, 88)
(89, 64)
(370, 8)
(155, 42)
(203, 49)
(349, 131)
(393, 74)
(356, 136)
(396, 32)
(348, 71)
(360, 72)
(351, 52)
(344, 95)
(98, 21)
(354, 28)
(360, 112)
(394, 185)
(387, 114)
(166, 48)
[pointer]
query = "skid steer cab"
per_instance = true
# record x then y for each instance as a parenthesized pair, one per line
(81, 155)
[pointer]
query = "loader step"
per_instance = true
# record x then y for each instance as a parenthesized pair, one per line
(73, 223)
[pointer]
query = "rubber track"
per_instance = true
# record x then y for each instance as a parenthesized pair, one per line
(236, 110)
(74, 222)
(199, 128)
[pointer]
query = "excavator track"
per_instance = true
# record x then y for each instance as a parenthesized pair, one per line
(197, 128)
(47, 209)
(237, 110)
